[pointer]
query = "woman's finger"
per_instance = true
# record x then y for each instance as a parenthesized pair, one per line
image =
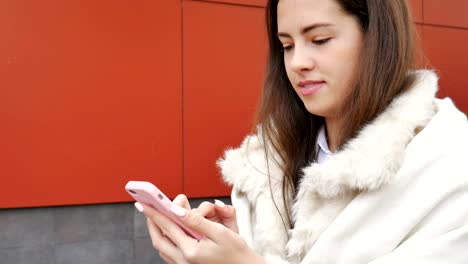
(227, 215)
(207, 210)
(168, 251)
(166, 258)
(182, 201)
(214, 231)
(173, 232)
(160, 242)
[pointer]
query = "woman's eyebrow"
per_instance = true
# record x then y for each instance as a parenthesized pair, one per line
(306, 29)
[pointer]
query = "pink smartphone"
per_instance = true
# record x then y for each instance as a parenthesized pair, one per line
(148, 194)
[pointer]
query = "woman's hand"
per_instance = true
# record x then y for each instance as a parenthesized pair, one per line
(162, 242)
(219, 213)
(221, 244)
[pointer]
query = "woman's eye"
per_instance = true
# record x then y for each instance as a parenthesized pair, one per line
(286, 48)
(321, 41)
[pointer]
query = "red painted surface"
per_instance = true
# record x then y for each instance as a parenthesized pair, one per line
(420, 60)
(223, 74)
(417, 10)
(90, 98)
(450, 58)
(258, 3)
(446, 12)
(92, 92)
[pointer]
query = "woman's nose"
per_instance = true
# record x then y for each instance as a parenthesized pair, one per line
(301, 60)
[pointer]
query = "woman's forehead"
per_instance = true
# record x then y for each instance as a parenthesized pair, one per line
(299, 14)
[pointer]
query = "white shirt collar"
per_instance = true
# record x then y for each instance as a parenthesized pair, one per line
(322, 141)
(321, 146)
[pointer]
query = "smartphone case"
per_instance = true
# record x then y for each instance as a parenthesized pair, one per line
(148, 194)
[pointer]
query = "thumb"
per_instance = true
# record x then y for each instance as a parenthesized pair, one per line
(196, 222)
(227, 214)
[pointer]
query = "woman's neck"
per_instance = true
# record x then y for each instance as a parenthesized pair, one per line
(333, 126)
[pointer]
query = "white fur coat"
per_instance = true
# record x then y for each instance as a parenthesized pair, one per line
(393, 194)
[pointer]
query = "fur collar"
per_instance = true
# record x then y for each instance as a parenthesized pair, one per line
(366, 162)
(373, 157)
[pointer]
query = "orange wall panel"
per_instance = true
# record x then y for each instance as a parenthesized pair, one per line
(93, 93)
(416, 5)
(224, 55)
(90, 98)
(420, 60)
(417, 10)
(446, 12)
(450, 58)
(259, 3)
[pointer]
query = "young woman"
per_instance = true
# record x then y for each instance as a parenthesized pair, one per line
(353, 160)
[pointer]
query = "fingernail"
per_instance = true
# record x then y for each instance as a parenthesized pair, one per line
(219, 203)
(139, 207)
(177, 210)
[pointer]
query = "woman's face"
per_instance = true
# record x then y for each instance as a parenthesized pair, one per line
(322, 45)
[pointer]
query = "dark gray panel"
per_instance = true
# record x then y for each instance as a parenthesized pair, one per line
(40, 255)
(102, 252)
(140, 228)
(26, 227)
(94, 223)
(194, 203)
(145, 253)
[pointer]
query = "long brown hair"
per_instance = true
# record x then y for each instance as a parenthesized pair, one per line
(383, 73)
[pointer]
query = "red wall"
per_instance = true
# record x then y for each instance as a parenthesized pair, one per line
(91, 97)
(445, 41)
(96, 93)
(223, 73)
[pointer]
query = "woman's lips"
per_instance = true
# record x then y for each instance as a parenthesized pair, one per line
(310, 87)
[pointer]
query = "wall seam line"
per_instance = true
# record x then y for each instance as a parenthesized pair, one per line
(230, 4)
(182, 90)
(445, 26)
